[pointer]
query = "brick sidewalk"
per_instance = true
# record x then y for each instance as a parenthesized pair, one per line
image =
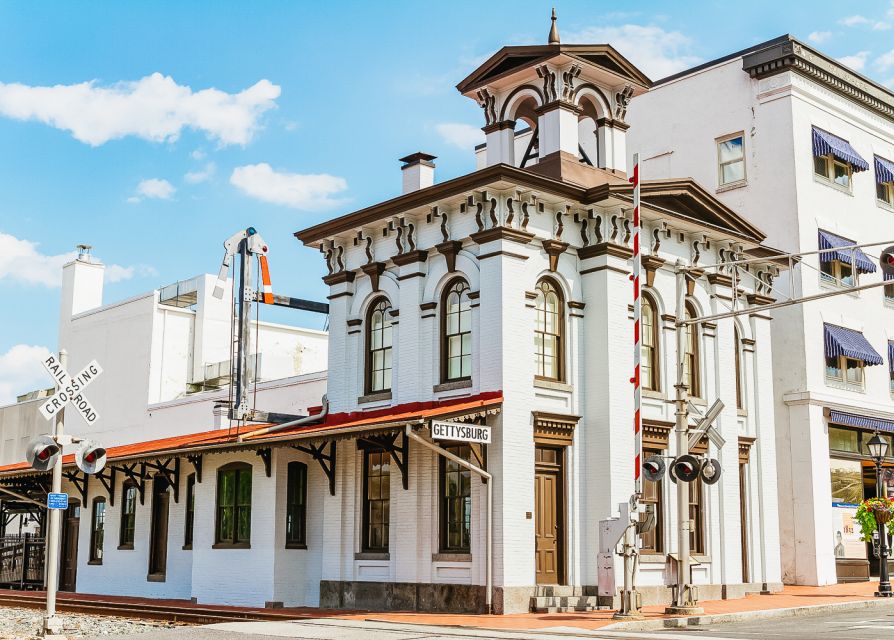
(790, 597)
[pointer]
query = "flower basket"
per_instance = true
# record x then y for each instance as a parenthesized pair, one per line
(873, 512)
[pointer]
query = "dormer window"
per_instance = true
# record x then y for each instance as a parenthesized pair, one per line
(835, 160)
(838, 262)
(884, 181)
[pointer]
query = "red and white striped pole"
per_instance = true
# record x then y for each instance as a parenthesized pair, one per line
(637, 334)
(267, 296)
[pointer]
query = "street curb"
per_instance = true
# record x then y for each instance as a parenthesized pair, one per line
(746, 616)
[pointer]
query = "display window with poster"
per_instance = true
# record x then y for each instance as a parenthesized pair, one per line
(847, 494)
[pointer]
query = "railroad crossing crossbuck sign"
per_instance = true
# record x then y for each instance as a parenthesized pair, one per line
(70, 390)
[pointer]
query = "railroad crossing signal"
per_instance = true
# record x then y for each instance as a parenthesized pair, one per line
(70, 390)
(90, 457)
(42, 453)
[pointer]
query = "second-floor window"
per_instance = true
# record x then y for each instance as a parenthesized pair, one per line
(548, 347)
(731, 159)
(838, 263)
(845, 370)
(692, 356)
(847, 353)
(378, 340)
(456, 331)
(649, 359)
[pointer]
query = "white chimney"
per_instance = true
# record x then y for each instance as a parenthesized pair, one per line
(418, 171)
(220, 413)
(81, 289)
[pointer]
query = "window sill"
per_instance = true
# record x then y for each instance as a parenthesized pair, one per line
(652, 558)
(125, 547)
(95, 563)
(554, 385)
(836, 285)
(834, 185)
(374, 397)
(296, 545)
(231, 545)
(451, 557)
(453, 385)
(742, 413)
(889, 302)
(187, 547)
(156, 577)
(732, 185)
(658, 395)
(843, 386)
(372, 555)
(884, 205)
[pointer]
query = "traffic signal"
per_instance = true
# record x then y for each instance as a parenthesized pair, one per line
(886, 261)
(711, 471)
(42, 453)
(90, 457)
(653, 469)
(686, 468)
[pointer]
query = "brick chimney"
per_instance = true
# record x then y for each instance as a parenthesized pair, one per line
(418, 171)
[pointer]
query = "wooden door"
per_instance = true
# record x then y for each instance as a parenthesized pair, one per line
(158, 543)
(71, 524)
(743, 514)
(548, 519)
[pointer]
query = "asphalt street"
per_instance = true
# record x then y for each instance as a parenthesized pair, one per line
(859, 625)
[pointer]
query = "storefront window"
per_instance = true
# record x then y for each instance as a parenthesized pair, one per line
(847, 493)
(843, 440)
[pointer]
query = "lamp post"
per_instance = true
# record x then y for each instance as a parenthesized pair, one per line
(878, 448)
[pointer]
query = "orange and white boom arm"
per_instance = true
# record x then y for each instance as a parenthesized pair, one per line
(267, 297)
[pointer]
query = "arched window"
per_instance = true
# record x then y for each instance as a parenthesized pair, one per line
(296, 506)
(97, 530)
(378, 347)
(456, 332)
(692, 355)
(233, 525)
(740, 397)
(649, 359)
(128, 514)
(549, 348)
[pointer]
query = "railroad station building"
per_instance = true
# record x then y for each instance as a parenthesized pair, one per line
(501, 299)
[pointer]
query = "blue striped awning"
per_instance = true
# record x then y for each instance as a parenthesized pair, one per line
(831, 241)
(824, 143)
(884, 170)
(864, 422)
(847, 342)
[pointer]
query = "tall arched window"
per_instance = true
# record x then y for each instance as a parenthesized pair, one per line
(740, 399)
(456, 331)
(378, 347)
(549, 350)
(649, 359)
(692, 356)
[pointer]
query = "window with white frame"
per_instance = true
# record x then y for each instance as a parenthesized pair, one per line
(833, 170)
(835, 160)
(884, 181)
(731, 159)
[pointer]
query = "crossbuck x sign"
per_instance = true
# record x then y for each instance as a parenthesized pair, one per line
(70, 390)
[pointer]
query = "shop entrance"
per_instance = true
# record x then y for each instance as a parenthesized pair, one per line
(549, 502)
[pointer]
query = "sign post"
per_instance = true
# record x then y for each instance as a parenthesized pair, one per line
(69, 390)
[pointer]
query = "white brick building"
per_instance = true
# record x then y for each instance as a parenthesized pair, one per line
(804, 148)
(500, 298)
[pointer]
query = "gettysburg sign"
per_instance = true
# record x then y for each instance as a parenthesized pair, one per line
(70, 389)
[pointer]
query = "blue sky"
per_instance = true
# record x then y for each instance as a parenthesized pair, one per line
(154, 130)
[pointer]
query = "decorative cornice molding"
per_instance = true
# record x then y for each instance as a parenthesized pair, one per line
(605, 248)
(420, 255)
(792, 55)
(339, 278)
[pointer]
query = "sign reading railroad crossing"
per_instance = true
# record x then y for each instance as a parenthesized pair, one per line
(443, 430)
(70, 390)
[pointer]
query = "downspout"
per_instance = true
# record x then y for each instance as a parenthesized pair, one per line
(286, 425)
(488, 552)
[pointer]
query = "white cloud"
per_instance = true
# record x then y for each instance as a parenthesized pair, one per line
(21, 371)
(819, 37)
(154, 108)
(464, 136)
(198, 154)
(154, 188)
(859, 21)
(856, 61)
(658, 53)
(311, 192)
(885, 61)
(21, 261)
(202, 175)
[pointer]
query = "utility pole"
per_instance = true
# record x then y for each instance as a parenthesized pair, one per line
(52, 624)
(684, 603)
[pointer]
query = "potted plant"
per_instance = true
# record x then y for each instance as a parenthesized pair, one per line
(873, 512)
